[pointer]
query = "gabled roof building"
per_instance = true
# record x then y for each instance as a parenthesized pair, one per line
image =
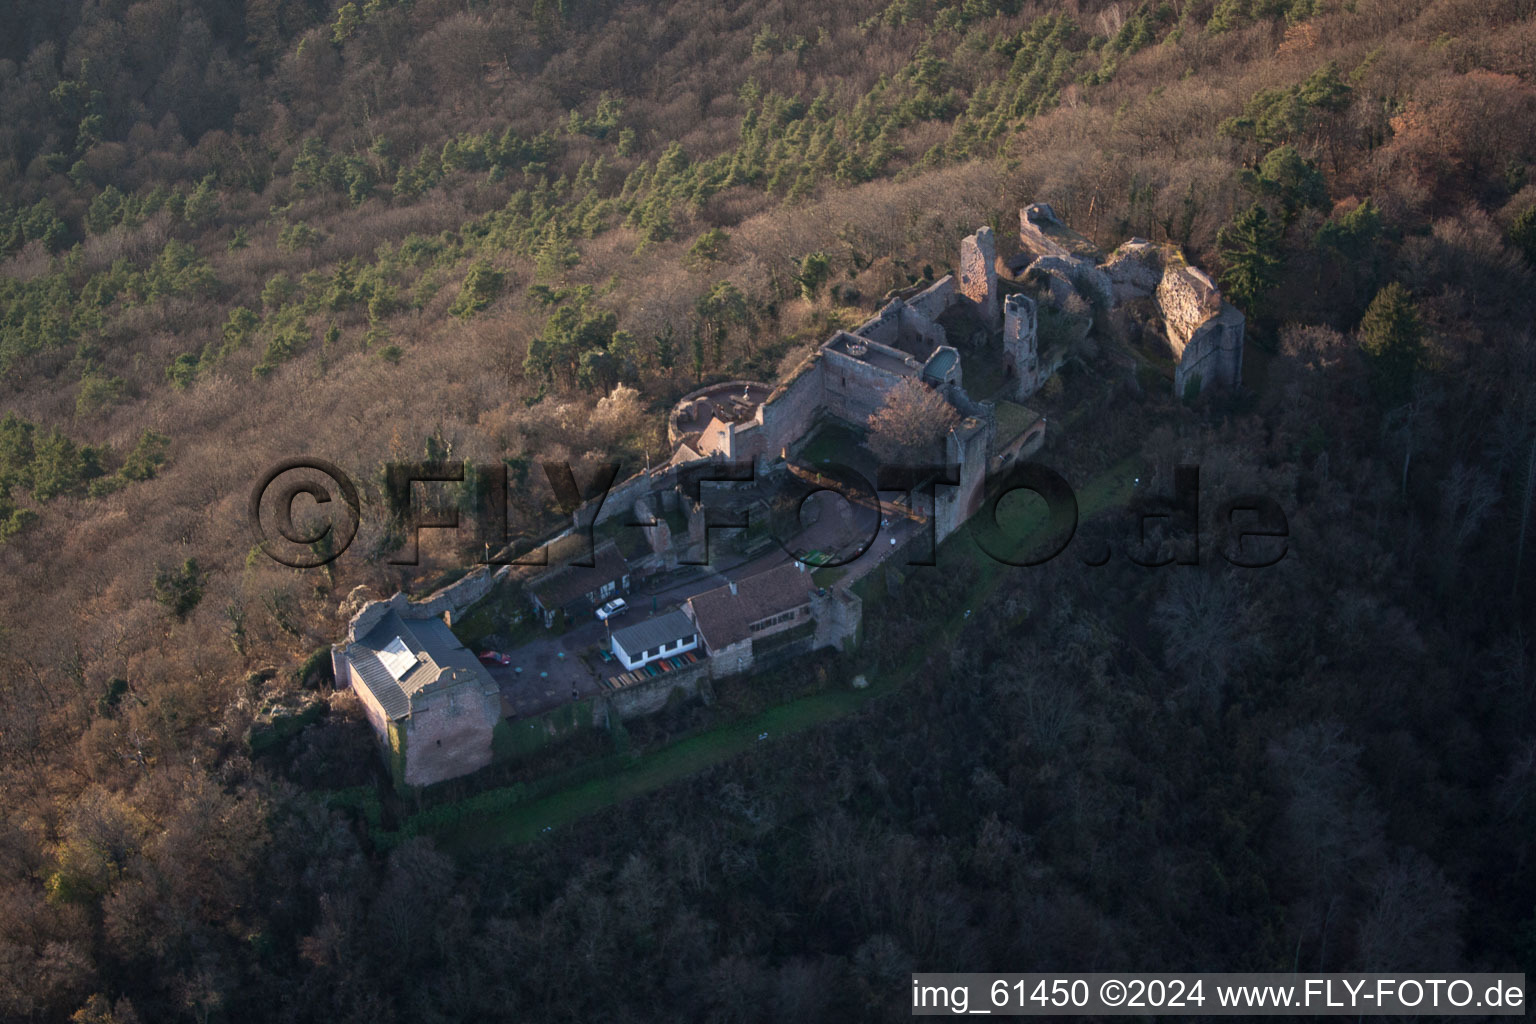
(736, 621)
(662, 636)
(576, 590)
(431, 703)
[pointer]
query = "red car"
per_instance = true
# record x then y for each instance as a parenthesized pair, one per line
(495, 658)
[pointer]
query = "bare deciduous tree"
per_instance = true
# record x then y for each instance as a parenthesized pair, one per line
(910, 427)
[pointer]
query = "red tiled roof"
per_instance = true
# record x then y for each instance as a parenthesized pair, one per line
(725, 618)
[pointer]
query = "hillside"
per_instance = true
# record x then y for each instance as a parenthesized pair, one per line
(235, 233)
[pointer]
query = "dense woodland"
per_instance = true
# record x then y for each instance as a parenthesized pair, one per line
(235, 232)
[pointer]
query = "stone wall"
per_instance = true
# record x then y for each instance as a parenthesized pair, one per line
(967, 446)
(454, 598)
(658, 536)
(855, 389)
(621, 500)
(900, 326)
(1187, 299)
(730, 660)
(444, 603)
(341, 667)
(1214, 355)
(884, 326)
(372, 612)
(922, 332)
(1021, 344)
(978, 273)
(791, 410)
(449, 737)
(651, 696)
(1205, 331)
(838, 614)
(933, 301)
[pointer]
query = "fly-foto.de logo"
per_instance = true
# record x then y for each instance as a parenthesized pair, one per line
(1025, 515)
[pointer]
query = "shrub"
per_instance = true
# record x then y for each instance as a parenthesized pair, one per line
(148, 455)
(298, 235)
(178, 591)
(97, 392)
(481, 286)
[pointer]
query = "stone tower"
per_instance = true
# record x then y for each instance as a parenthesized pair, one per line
(1021, 344)
(978, 274)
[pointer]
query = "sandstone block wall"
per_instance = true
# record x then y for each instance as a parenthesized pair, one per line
(1214, 354)
(454, 598)
(789, 412)
(1187, 299)
(658, 536)
(730, 660)
(621, 500)
(838, 614)
(1021, 328)
(925, 332)
(978, 272)
(450, 737)
(884, 326)
(932, 301)
(651, 696)
(854, 389)
(967, 445)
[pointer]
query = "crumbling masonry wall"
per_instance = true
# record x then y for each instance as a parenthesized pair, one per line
(1021, 332)
(791, 410)
(1205, 331)
(978, 272)
(443, 603)
(1213, 358)
(934, 300)
(854, 389)
(966, 446)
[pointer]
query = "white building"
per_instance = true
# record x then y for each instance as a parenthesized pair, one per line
(661, 637)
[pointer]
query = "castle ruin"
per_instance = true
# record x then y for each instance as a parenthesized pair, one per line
(850, 375)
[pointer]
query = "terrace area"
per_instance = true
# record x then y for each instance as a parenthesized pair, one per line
(695, 415)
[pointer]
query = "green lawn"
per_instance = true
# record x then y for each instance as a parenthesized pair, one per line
(651, 771)
(828, 576)
(832, 442)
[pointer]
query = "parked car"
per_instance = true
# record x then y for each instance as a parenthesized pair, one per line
(618, 606)
(495, 658)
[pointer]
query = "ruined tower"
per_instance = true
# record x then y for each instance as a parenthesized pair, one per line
(1204, 331)
(978, 273)
(1021, 344)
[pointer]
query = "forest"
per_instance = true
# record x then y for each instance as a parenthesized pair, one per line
(508, 231)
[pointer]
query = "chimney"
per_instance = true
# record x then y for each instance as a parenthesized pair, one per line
(733, 588)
